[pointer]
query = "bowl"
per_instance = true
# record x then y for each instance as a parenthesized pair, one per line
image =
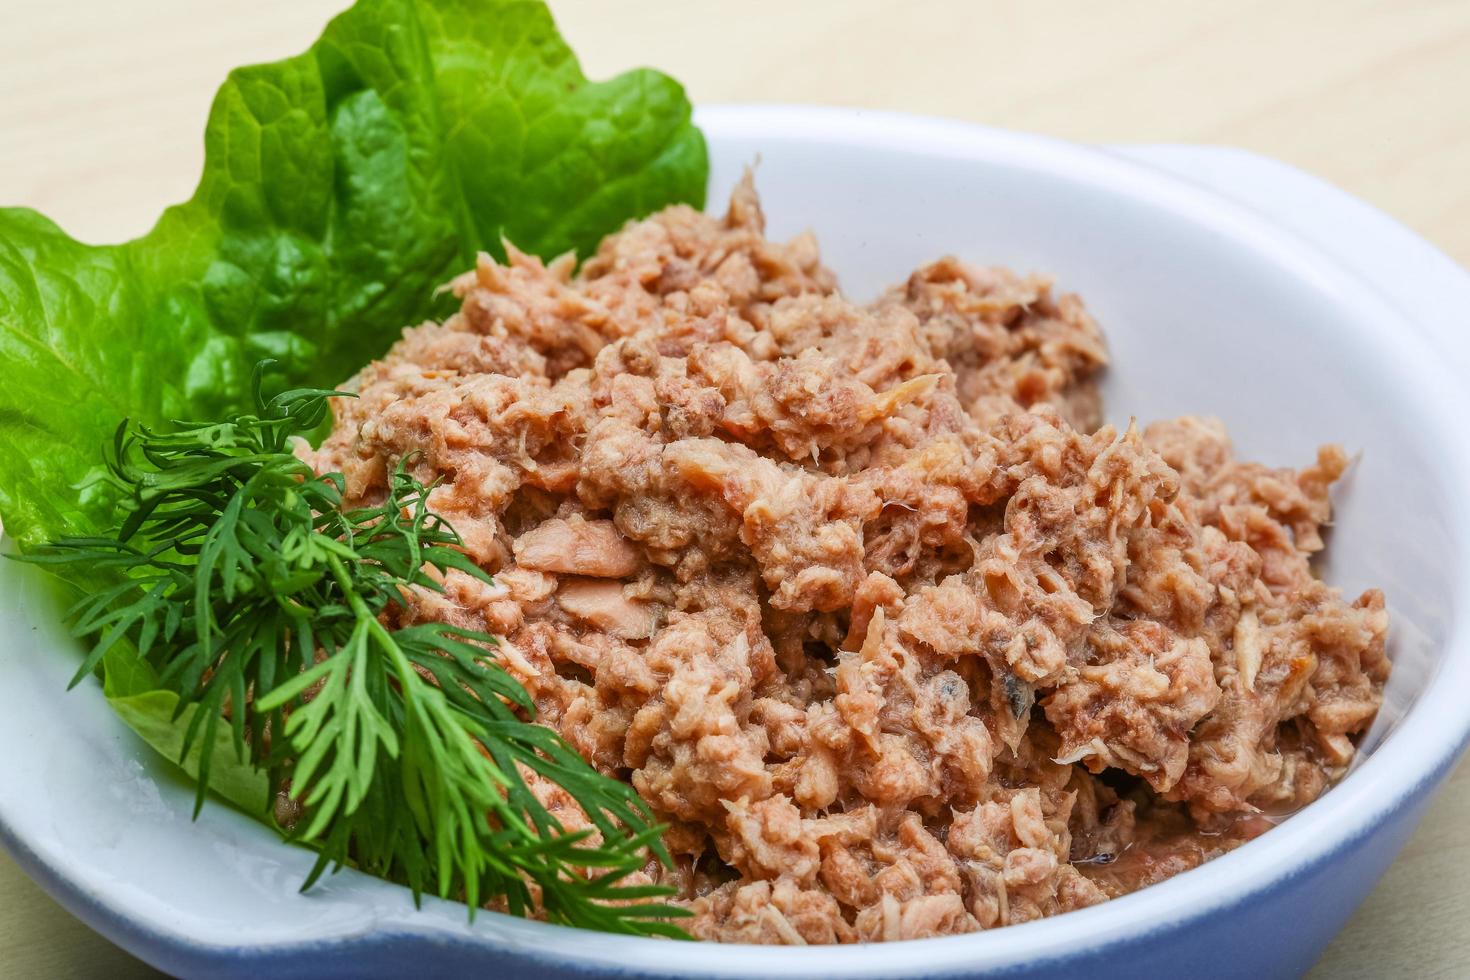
(1282, 306)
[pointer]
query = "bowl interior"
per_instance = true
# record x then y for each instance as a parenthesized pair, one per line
(1205, 312)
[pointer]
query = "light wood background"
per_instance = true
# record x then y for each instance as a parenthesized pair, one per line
(102, 105)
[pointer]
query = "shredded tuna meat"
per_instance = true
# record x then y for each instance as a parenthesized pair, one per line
(864, 600)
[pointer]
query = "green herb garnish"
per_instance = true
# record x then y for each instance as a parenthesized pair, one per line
(340, 188)
(268, 608)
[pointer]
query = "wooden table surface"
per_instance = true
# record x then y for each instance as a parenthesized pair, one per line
(102, 105)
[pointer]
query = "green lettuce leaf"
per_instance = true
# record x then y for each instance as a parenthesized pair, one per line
(132, 688)
(341, 187)
(231, 777)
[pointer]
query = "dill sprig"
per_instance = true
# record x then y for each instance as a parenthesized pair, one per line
(258, 598)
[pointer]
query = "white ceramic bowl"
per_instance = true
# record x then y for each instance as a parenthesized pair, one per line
(1292, 312)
